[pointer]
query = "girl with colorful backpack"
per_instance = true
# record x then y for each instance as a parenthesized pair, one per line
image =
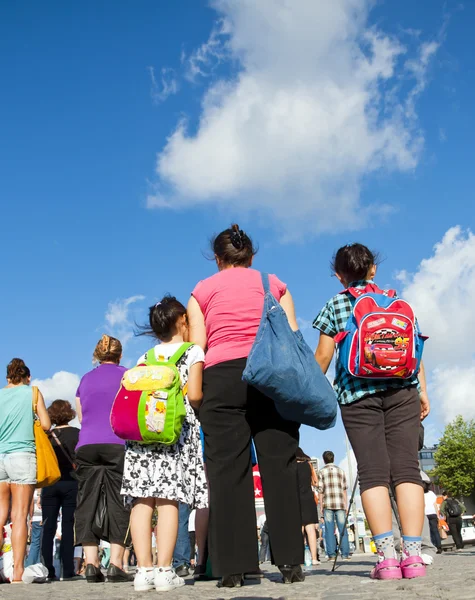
(167, 385)
(381, 389)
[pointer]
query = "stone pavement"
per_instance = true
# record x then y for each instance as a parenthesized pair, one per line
(451, 577)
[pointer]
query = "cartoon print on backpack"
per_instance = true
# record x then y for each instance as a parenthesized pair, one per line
(382, 337)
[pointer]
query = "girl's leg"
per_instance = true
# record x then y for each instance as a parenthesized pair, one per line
(410, 503)
(312, 540)
(364, 422)
(141, 528)
(22, 495)
(167, 528)
(402, 423)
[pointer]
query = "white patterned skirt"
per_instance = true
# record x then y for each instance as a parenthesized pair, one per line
(169, 472)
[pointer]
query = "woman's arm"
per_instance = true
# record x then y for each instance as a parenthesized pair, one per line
(196, 324)
(195, 385)
(287, 303)
(43, 413)
(78, 409)
(324, 352)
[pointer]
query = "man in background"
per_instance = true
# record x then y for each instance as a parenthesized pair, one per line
(333, 494)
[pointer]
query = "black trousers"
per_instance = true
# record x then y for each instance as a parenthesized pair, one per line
(455, 529)
(101, 466)
(60, 496)
(232, 413)
(434, 531)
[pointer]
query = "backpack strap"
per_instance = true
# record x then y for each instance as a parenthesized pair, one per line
(371, 288)
(179, 353)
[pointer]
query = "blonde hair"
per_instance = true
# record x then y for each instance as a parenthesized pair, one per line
(108, 349)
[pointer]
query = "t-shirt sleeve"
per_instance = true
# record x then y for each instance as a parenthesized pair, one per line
(200, 293)
(277, 287)
(78, 391)
(195, 356)
(325, 321)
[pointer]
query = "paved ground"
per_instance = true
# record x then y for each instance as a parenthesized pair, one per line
(451, 577)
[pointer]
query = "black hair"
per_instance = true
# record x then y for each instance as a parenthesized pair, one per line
(328, 457)
(352, 262)
(300, 455)
(162, 318)
(233, 247)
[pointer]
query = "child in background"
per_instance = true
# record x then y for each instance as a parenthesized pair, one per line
(157, 475)
(382, 420)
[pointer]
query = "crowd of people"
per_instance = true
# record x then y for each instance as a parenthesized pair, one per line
(112, 489)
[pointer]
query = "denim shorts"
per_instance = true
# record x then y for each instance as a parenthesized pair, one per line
(18, 467)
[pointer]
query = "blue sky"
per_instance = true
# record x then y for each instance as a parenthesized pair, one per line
(131, 132)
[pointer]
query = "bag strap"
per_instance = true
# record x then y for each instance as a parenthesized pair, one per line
(265, 282)
(370, 288)
(34, 389)
(63, 449)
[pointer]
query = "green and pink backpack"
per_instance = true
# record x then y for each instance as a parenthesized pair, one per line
(150, 404)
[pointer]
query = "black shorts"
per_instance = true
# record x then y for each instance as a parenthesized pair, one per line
(383, 429)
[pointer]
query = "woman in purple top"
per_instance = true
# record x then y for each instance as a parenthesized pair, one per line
(100, 465)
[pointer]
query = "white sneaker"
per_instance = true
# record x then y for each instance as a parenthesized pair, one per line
(144, 579)
(167, 579)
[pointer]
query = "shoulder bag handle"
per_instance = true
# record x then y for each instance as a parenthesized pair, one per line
(63, 449)
(34, 389)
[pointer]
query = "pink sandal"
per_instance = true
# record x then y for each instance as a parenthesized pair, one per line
(412, 567)
(389, 568)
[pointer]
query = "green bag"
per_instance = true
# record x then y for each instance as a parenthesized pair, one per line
(150, 406)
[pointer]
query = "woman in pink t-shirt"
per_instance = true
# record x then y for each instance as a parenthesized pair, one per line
(224, 314)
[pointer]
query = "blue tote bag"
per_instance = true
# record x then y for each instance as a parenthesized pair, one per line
(282, 366)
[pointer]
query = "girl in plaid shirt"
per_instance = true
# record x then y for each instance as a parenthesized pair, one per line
(382, 420)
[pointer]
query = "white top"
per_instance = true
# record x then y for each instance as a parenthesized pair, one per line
(261, 520)
(430, 499)
(37, 512)
(165, 351)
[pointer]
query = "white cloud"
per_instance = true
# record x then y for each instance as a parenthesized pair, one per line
(442, 291)
(61, 386)
(118, 318)
(167, 86)
(315, 106)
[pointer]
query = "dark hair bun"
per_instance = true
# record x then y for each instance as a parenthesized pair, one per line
(17, 371)
(233, 247)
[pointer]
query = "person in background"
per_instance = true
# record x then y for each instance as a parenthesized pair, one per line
(308, 508)
(264, 554)
(430, 500)
(453, 510)
(18, 456)
(321, 528)
(333, 492)
(100, 463)
(62, 495)
(182, 553)
(36, 528)
(224, 313)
